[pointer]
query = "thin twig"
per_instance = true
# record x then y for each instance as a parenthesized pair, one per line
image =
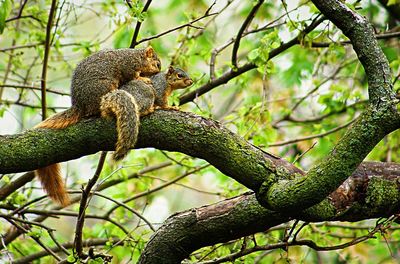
(245, 24)
(322, 117)
(283, 245)
(347, 42)
(175, 28)
(46, 56)
(136, 196)
(19, 15)
(83, 204)
(282, 143)
(138, 24)
(5, 248)
(229, 75)
(33, 45)
(23, 230)
(12, 234)
(9, 188)
(304, 153)
(32, 88)
(133, 211)
(8, 102)
(86, 243)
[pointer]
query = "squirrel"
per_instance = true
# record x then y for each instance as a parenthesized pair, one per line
(141, 98)
(98, 74)
(127, 103)
(95, 76)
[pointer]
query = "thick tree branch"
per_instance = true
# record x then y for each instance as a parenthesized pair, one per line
(166, 130)
(193, 135)
(360, 197)
(325, 176)
(362, 37)
(379, 119)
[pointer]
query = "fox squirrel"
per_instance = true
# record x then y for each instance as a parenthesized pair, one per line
(95, 76)
(98, 74)
(139, 98)
(127, 103)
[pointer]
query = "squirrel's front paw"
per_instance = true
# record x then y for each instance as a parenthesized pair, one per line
(167, 107)
(146, 80)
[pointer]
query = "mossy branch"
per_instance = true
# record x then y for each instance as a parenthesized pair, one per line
(198, 137)
(166, 130)
(361, 197)
(379, 119)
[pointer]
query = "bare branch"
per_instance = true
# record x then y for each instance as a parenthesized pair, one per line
(244, 26)
(229, 75)
(134, 42)
(49, 26)
(188, 24)
(83, 204)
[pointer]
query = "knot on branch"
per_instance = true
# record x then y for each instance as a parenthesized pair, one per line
(262, 194)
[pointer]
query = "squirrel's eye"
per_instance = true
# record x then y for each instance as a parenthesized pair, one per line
(180, 75)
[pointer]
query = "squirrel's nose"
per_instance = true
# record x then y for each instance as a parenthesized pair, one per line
(189, 82)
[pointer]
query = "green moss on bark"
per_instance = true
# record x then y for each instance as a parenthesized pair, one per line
(382, 195)
(324, 177)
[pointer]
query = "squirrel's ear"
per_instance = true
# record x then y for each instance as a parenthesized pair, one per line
(170, 69)
(149, 51)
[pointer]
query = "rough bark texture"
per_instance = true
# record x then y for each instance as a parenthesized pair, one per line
(173, 131)
(278, 185)
(187, 231)
(167, 130)
(378, 120)
(328, 174)
(372, 191)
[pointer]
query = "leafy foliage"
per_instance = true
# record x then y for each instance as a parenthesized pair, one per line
(308, 90)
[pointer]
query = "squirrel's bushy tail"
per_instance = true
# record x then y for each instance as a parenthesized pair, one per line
(62, 119)
(120, 104)
(53, 184)
(50, 176)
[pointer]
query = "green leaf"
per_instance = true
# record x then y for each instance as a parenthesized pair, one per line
(123, 38)
(393, 2)
(5, 9)
(71, 258)
(6, 179)
(142, 16)
(253, 55)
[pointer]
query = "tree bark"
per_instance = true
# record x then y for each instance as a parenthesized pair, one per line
(379, 119)
(371, 192)
(278, 185)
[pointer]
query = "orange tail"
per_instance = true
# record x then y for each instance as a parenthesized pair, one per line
(62, 119)
(53, 184)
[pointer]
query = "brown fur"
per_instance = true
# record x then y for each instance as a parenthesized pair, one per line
(124, 108)
(139, 97)
(106, 71)
(165, 83)
(132, 100)
(61, 120)
(52, 183)
(95, 76)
